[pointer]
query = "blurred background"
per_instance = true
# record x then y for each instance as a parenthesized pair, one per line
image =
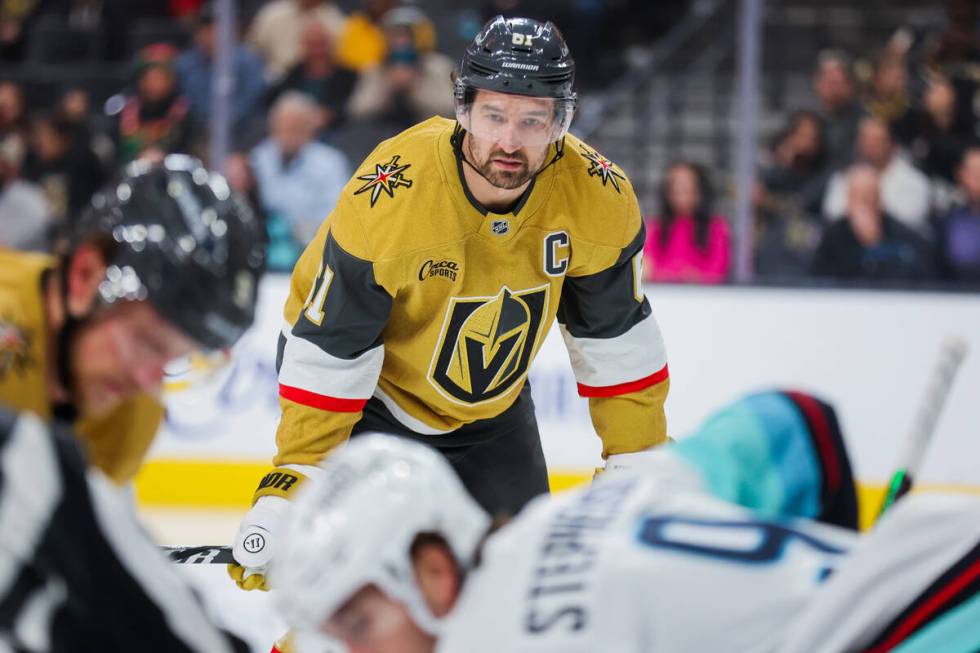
(809, 172)
(735, 120)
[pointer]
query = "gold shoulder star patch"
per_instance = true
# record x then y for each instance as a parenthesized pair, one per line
(600, 166)
(386, 177)
(15, 348)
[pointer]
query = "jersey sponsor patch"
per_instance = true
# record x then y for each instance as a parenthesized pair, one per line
(15, 348)
(385, 178)
(487, 344)
(443, 268)
(601, 167)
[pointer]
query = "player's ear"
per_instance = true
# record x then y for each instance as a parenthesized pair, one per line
(86, 270)
(437, 575)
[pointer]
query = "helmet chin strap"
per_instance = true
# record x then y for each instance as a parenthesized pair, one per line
(67, 411)
(457, 143)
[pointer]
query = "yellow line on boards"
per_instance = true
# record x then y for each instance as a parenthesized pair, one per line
(206, 484)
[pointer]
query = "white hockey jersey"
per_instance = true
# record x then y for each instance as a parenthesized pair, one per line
(664, 560)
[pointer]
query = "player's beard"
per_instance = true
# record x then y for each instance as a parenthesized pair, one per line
(505, 179)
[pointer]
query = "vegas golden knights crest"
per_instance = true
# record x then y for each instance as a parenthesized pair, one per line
(487, 344)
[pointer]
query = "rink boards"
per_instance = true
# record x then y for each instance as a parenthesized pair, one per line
(869, 353)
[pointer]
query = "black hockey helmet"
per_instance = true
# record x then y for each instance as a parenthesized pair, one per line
(175, 235)
(519, 56)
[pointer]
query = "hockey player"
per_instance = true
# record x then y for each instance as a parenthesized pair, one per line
(78, 572)
(428, 291)
(165, 261)
(703, 547)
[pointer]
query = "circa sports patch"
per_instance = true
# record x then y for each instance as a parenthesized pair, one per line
(386, 177)
(601, 167)
(15, 348)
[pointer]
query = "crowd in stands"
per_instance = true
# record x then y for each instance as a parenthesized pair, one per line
(313, 90)
(878, 181)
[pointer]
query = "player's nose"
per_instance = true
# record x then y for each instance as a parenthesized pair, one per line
(148, 375)
(509, 140)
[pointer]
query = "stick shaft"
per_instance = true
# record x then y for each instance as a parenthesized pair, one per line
(924, 423)
(199, 555)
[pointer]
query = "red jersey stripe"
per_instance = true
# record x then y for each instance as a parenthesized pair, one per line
(927, 609)
(821, 432)
(623, 388)
(323, 402)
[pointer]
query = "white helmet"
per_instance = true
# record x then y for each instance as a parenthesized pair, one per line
(355, 526)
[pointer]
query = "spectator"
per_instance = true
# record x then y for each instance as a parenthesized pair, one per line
(15, 16)
(869, 244)
(841, 113)
(282, 249)
(195, 69)
(155, 117)
(90, 127)
(414, 82)
(363, 46)
(63, 164)
(905, 192)
(25, 219)
(785, 236)
(687, 243)
(797, 173)
(889, 99)
(959, 44)
(299, 179)
(959, 231)
(933, 133)
(276, 29)
(319, 76)
(12, 118)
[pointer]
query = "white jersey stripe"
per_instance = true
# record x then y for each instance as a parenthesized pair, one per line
(29, 461)
(636, 354)
(307, 367)
(403, 417)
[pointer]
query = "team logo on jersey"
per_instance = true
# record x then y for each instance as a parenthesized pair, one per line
(601, 167)
(15, 348)
(487, 344)
(446, 268)
(385, 178)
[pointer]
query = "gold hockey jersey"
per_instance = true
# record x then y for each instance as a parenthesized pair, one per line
(412, 294)
(115, 443)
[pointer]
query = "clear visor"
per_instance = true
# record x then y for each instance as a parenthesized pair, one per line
(514, 121)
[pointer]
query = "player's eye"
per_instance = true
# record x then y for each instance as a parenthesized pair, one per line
(533, 123)
(495, 117)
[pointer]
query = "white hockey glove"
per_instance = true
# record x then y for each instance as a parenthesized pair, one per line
(255, 543)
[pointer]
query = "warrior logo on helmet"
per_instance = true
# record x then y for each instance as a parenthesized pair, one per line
(487, 344)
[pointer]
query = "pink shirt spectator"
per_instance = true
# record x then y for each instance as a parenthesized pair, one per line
(681, 260)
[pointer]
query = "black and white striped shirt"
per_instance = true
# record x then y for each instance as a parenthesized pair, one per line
(77, 573)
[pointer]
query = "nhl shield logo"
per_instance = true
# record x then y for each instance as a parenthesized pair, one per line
(500, 227)
(487, 344)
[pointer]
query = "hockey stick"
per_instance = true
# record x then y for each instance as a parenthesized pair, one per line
(199, 555)
(951, 355)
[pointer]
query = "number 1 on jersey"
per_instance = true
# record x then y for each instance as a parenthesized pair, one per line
(318, 295)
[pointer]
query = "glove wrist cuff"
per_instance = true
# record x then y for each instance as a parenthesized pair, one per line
(280, 482)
